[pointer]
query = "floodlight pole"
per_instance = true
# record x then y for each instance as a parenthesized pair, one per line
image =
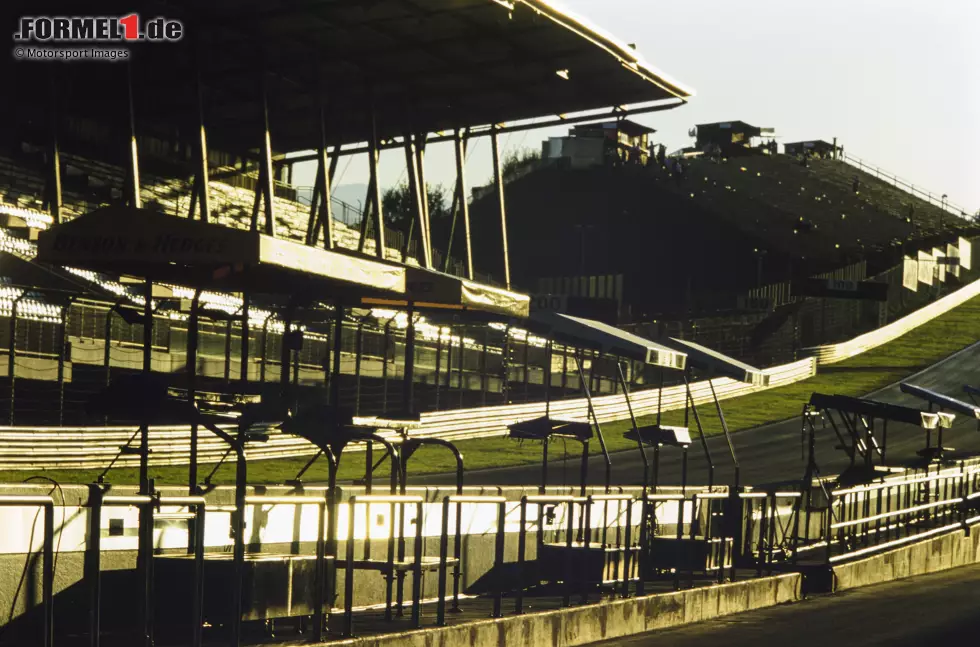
(498, 177)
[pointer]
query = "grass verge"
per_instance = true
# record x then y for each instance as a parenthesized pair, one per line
(863, 374)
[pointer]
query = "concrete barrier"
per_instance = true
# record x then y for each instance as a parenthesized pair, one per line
(604, 621)
(957, 548)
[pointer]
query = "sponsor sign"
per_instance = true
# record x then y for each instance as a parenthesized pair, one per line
(910, 274)
(927, 268)
(840, 289)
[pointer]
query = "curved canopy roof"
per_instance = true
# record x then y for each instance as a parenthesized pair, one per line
(425, 65)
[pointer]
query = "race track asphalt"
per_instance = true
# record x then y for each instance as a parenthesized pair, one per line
(768, 454)
(936, 609)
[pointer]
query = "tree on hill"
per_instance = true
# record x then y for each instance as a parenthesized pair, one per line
(399, 210)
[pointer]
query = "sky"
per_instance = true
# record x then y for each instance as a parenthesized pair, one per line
(896, 81)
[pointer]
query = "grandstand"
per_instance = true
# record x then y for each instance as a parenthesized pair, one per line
(746, 222)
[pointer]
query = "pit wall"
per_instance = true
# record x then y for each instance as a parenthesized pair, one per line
(940, 553)
(592, 623)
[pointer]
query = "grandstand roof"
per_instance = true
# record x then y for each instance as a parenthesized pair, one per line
(426, 66)
(22, 273)
(146, 244)
(164, 248)
(627, 126)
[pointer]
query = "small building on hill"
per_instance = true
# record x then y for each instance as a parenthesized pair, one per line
(816, 147)
(732, 137)
(600, 144)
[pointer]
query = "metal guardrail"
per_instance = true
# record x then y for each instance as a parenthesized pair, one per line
(32, 448)
(882, 516)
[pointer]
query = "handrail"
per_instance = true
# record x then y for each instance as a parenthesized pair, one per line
(909, 187)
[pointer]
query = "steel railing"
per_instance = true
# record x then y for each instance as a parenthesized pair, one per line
(936, 199)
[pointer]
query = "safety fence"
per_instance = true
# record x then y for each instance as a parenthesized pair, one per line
(852, 522)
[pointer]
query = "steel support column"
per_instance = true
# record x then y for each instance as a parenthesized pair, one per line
(463, 383)
(498, 178)
(462, 206)
(227, 367)
(193, 338)
(243, 354)
(323, 217)
(202, 175)
(266, 181)
(144, 559)
(527, 366)
(386, 350)
(285, 353)
(265, 348)
(418, 206)
(358, 355)
(53, 192)
(505, 366)
(375, 155)
(438, 365)
(132, 191)
(62, 358)
(338, 338)
(426, 232)
(484, 367)
(12, 355)
(409, 385)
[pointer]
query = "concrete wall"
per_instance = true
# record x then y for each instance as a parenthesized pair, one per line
(958, 548)
(588, 624)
